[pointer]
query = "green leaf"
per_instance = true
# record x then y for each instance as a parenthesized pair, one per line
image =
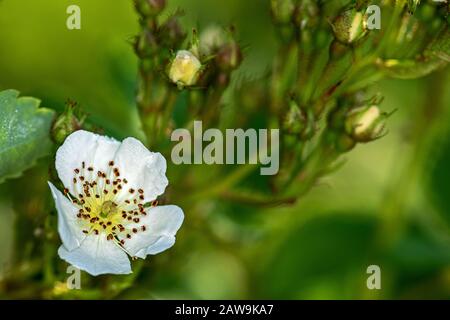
(410, 68)
(440, 47)
(436, 55)
(419, 260)
(24, 133)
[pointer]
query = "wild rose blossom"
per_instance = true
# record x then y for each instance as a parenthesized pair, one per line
(103, 214)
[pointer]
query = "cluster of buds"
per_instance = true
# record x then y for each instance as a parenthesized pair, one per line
(210, 60)
(157, 38)
(292, 16)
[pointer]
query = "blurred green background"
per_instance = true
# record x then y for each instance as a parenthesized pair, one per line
(387, 206)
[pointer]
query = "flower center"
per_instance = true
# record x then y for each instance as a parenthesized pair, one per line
(106, 203)
(108, 208)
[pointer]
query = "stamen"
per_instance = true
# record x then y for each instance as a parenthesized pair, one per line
(103, 205)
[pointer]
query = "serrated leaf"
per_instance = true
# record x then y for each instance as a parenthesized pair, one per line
(24, 133)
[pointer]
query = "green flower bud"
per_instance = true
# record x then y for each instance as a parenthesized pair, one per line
(146, 44)
(350, 26)
(171, 32)
(299, 123)
(65, 124)
(211, 39)
(295, 120)
(184, 69)
(282, 10)
(307, 14)
(365, 124)
(229, 56)
(150, 8)
(426, 12)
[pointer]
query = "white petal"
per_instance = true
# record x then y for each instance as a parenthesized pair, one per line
(142, 168)
(83, 146)
(69, 230)
(97, 255)
(162, 244)
(162, 223)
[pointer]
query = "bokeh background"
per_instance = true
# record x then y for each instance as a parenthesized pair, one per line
(388, 205)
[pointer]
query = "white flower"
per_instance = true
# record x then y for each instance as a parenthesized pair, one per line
(102, 216)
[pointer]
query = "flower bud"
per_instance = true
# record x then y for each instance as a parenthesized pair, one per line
(307, 14)
(146, 44)
(185, 68)
(299, 122)
(229, 56)
(282, 10)
(295, 120)
(150, 8)
(350, 26)
(211, 39)
(365, 124)
(171, 32)
(65, 124)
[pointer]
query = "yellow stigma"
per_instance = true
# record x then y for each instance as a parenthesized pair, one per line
(108, 208)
